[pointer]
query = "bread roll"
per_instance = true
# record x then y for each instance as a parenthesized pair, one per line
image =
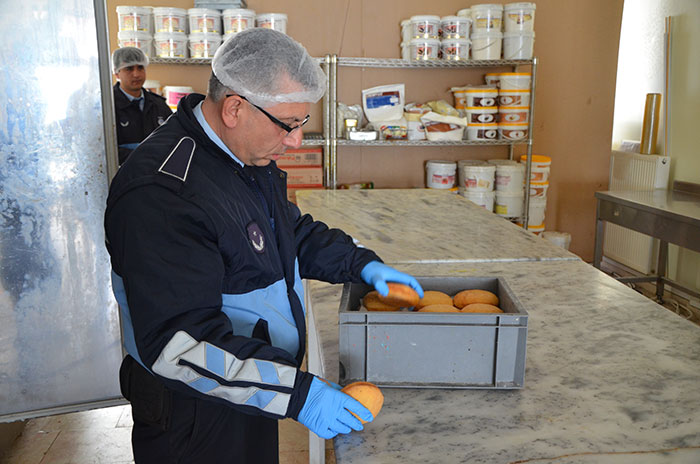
(439, 308)
(371, 302)
(481, 308)
(400, 295)
(431, 297)
(467, 297)
(368, 394)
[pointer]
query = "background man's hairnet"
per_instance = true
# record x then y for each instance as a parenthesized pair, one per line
(268, 67)
(128, 56)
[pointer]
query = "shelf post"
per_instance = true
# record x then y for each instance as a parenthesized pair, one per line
(528, 165)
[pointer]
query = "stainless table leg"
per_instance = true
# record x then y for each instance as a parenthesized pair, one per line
(661, 271)
(599, 230)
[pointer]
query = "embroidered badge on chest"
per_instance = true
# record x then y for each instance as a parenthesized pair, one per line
(160, 120)
(256, 237)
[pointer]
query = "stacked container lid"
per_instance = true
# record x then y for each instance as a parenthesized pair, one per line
(477, 180)
(135, 27)
(539, 184)
(429, 37)
(510, 193)
(205, 32)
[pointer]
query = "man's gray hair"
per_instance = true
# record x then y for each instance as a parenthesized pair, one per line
(216, 90)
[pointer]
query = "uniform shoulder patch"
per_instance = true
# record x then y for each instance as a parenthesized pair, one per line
(177, 163)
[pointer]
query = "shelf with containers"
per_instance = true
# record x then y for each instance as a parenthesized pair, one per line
(333, 141)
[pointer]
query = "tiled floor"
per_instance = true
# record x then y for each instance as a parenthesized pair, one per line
(103, 436)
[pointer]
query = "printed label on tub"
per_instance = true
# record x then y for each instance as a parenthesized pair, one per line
(510, 100)
(425, 51)
(513, 134)
(174, 97)
(383, 99)
(237, 25)
(484, 101)
(132, 23)
(518, 18)
(443, 179)
(202, 50)
(426, 29)
(486, 134)
(519, 117)
(501, 209)
(170, 49)
(488, 23)
(482, 117)
(268, 23)
(204, 25)
(474, 182)
(169, 23)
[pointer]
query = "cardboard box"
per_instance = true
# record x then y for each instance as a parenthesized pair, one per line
(303, 176)
(301, 157)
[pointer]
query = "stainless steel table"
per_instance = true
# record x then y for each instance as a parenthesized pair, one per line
(672, 216)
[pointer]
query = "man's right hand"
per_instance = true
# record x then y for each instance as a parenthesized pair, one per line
(327, 411)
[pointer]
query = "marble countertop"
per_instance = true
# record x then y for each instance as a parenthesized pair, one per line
(426, 225)
(611, 377)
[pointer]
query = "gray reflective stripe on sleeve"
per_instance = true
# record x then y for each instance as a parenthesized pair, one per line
(227, 366)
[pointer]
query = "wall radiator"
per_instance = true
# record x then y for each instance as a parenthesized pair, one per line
(632, 171)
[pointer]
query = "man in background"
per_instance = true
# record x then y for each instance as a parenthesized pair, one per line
(138, 111)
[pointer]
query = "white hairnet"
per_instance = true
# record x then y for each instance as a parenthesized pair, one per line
(128, 56)
(268, 67)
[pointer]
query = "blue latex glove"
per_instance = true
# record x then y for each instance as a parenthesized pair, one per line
(378, 274)
(327, 411)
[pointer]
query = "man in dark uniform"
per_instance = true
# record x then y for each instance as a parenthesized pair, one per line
(138, 111)
(208, 258)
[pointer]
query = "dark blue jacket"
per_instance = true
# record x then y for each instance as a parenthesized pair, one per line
(207, 262)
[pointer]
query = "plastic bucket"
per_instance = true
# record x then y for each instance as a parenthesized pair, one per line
(425, 27)
(174, 93)
(519, 17)
(492, 79)
(510, 178)
(518, 45)
(480, 96)
(238, 19)
(560, 239)
(510, 131)
(513, 97)
(405, 51)
(477, 177)
(406, 30)
(514, 114)
(538, 189)
(134, 18)
(152, 86)
(487, 131)
(465, 13)
(537, 229)
(538, 174)
(487, 17)
(515, 81)
(138, 39)
(509, 204)
(170, 44)
(486, 45)
(481, 115)
(204, 45)
(540, 161)
(455, 49)
(440, 174)
(455, 27)
(204, 20)
(460, 170)
(484, 199)
(276, 21)
(168, 19)
(536, 210)
(424, 49)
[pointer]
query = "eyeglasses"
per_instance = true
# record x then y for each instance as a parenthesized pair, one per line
(279, 123)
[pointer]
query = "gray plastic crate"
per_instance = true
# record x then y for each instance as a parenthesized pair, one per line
(434, 350)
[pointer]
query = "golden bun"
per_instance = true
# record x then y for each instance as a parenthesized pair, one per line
(400, 295)
(467, 297)
(439, 308)
(366, 393)
(432, 297)
(371, 302)
(481, 308)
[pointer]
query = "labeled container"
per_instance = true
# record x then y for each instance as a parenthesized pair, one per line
(173, 94)
(519, 17)
(475, 96)
(465, 13)
(474, 351)
(455, 49)
(515, 81)
(481, 115)
(203, 45)
(560, 239)
(440, 174)
(479, 177)
(152, 86)
(538, 189)
(424, 49)
(487, 131)
(455, 27)
(275, 21)
(493, 79)
(540, 161)
(518, 45)
(405, 51)
(167, 19)
(406, 31)
(509, 204)
(512, 131)
(487, 17)
(486, 45)
(139, 39)
(425, 27)
(536, 210)
(170, 44)
(513, 97)
(537, 229)
(204, 20)
(483, 199)
(509, 177)
(538, 174)
(514, 114)
(134, 18)
(236, 20)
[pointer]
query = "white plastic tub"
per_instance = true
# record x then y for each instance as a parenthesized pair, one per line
(538, 189)
(518, 45)
(406, 31)
(509, 204)
(475, 96)
(170, 44)
(487, 17)
(237, 20)
(203, 45)
(493, 79)
(425, 27)
(167, 19)
(478, 177)
(481, 115)
(486, 45)
(204, 20)
(519, 17)
(455, 49)
(540, 161)
(536, 210)
(513, 97)
(465, 13)
(560, 239)
(537, 229)
(538, 174)
(487, 131)
(483, 199)
(138, 39)
(510, 131)
(134, 18)
(515, 81)
(510, 177)
(173, 94)
(514, 114)
(455, 27)
(424, 49)
(276, 21)
(440, 174)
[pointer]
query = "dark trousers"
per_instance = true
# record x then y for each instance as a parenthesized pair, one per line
(171, 427)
